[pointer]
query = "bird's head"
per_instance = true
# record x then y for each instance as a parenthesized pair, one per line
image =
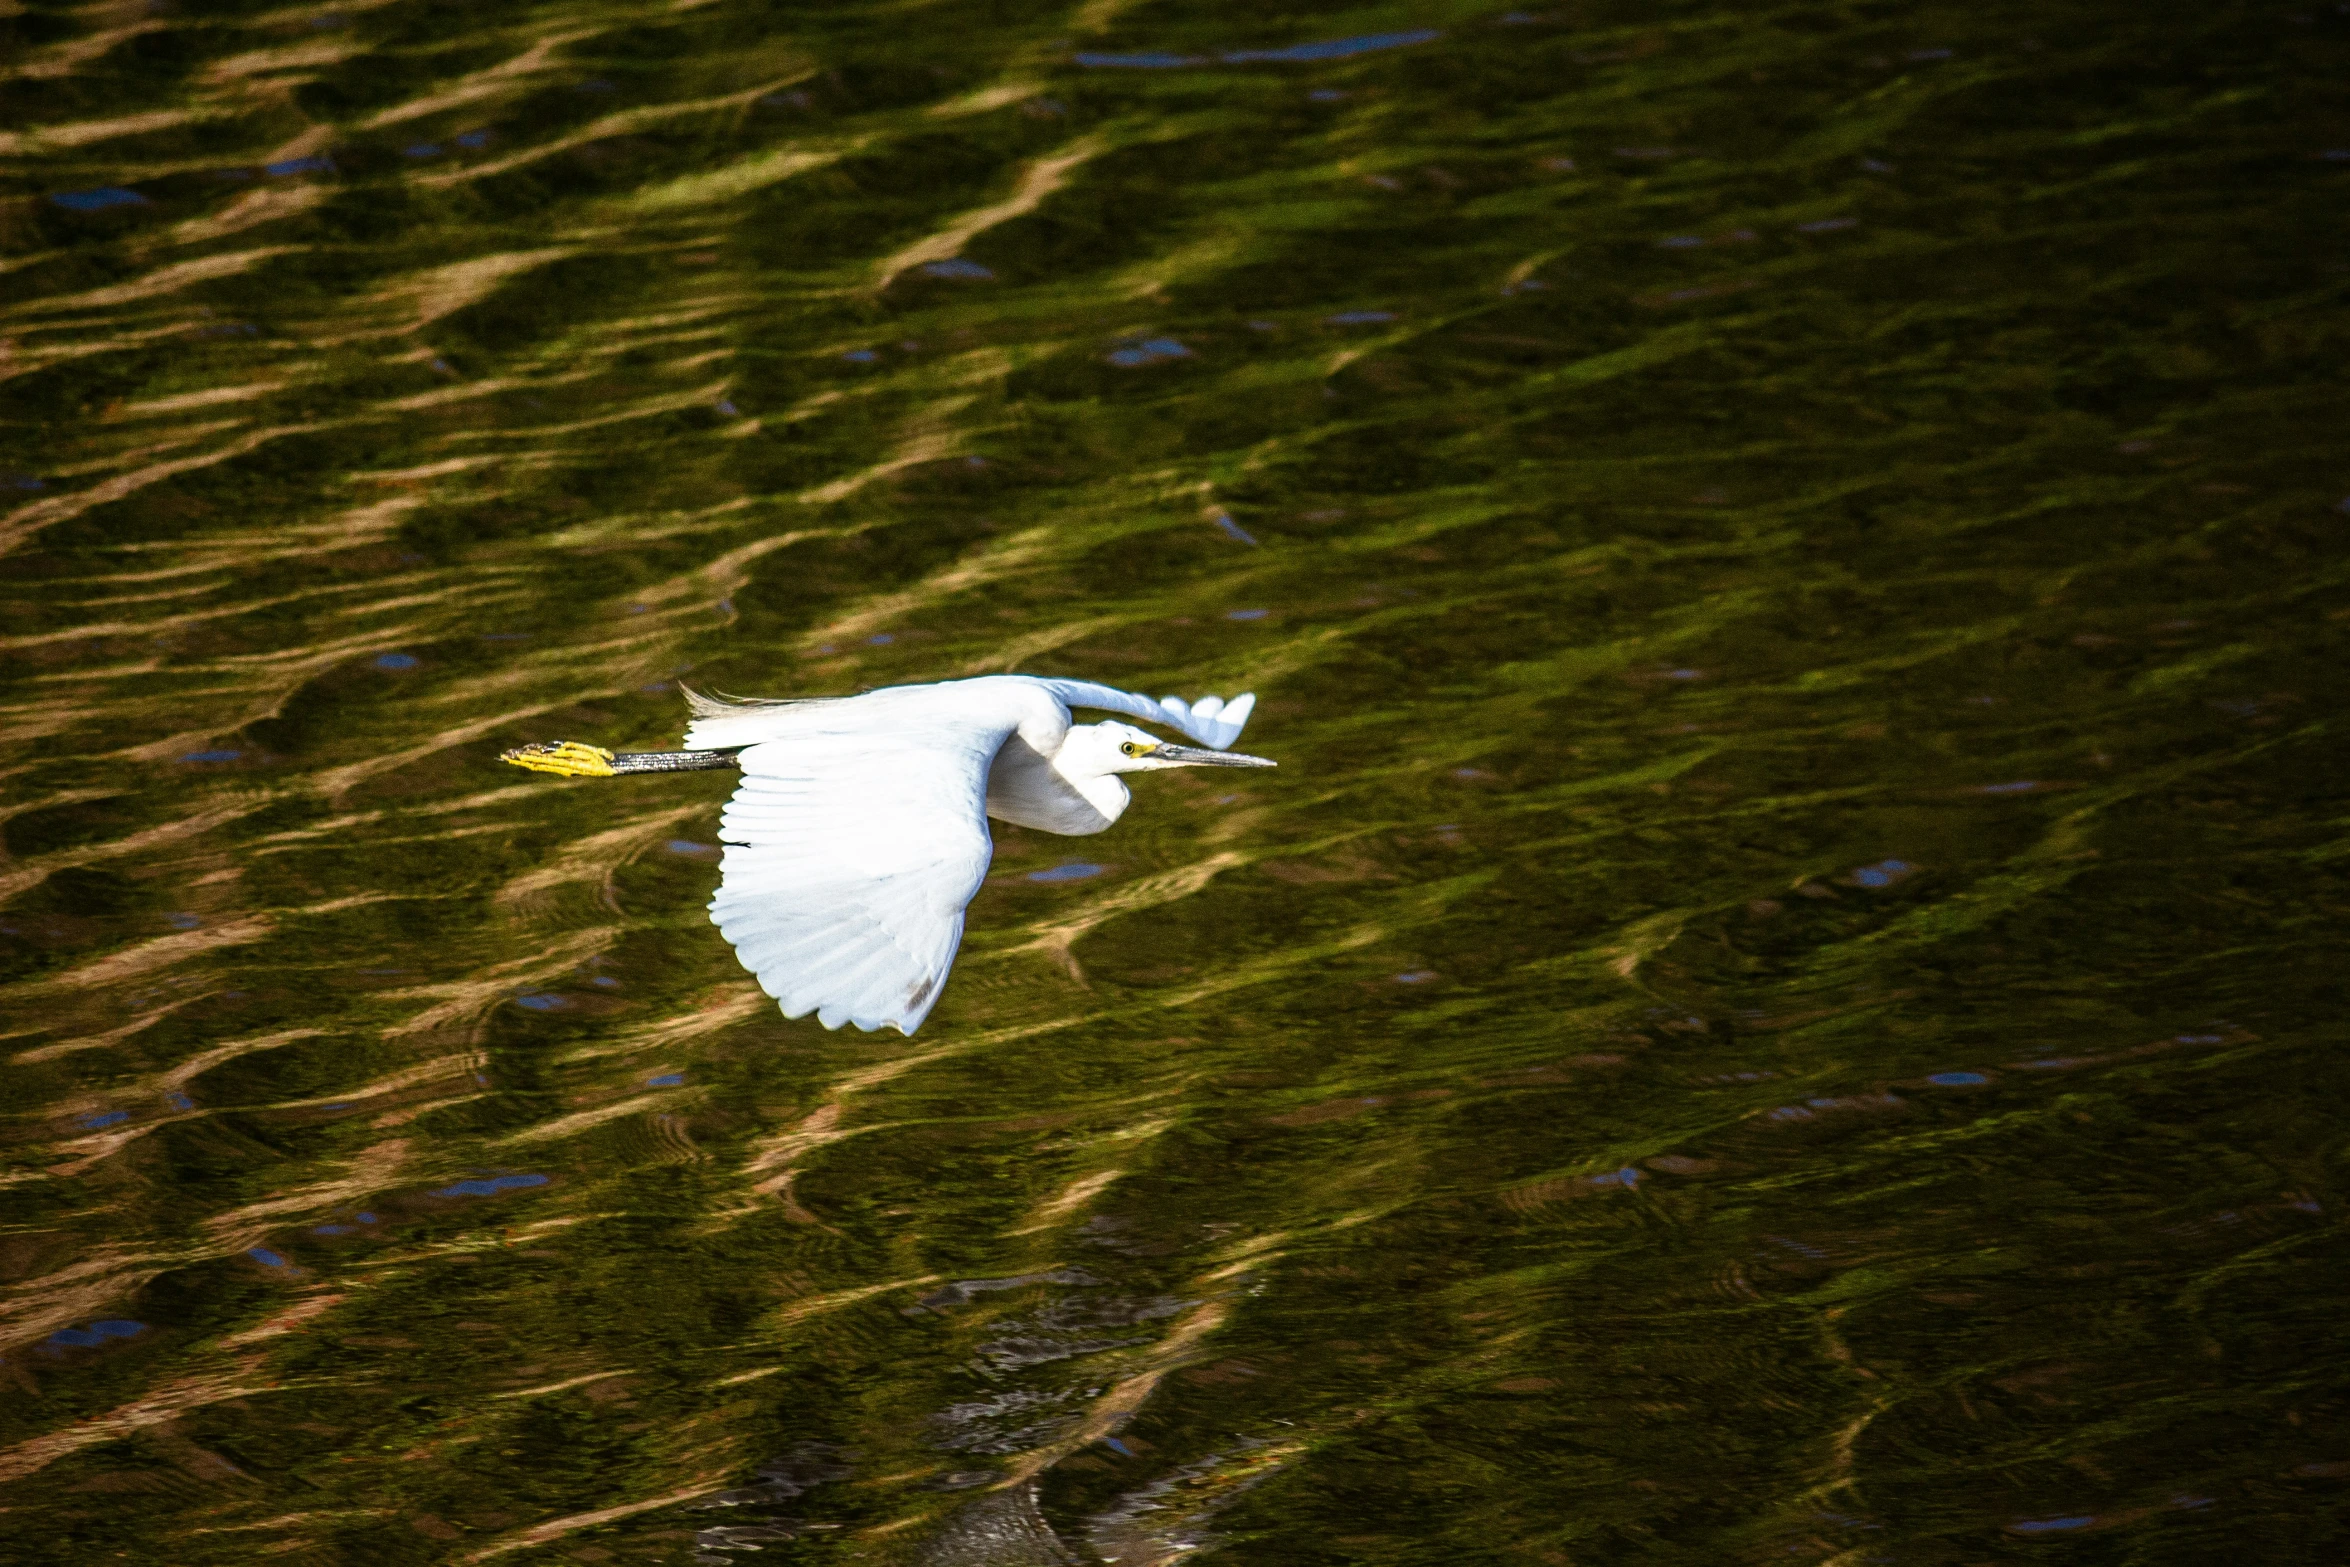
(1097, 749)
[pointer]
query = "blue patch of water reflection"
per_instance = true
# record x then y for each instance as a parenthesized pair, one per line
(212, 756)
(1882, 874)
(1149, 351)
(1335, 48)
(397, 661)
(99, 200)
(422, 149)
(266, 1257)
(1246, 614)
(97, 1333)
(91, 1123)
(1148, 61)
(1358, 318)
(666, 1080)
(957, 267)
(316, 163)
(862, 356)
(1826, 225)
(179, 1101)
(1233, 530)
(542, 1001)
(183, 921)
(1075, 870)
(1958, 1079)
(474, 139)
(2052, 1525)
(490, 1187)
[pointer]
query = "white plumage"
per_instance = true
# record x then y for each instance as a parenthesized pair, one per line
(859, 832)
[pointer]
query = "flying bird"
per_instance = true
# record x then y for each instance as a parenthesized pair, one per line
(859, 831)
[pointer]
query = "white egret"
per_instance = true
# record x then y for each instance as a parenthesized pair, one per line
(859, 831)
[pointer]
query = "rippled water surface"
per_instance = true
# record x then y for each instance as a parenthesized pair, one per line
(1785, 1002)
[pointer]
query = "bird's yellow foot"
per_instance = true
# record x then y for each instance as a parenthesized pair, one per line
(566, 758)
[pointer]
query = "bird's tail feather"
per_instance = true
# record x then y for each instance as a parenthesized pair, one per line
(717, 704)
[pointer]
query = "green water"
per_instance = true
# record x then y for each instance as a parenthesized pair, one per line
(1785, 1003)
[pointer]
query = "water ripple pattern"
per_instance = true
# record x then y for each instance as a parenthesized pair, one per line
(1795, 563)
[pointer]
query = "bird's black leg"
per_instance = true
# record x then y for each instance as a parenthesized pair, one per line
(675, 761)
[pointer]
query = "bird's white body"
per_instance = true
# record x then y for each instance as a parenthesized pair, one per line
(859, 832)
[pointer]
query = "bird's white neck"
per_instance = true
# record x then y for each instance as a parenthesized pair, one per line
(1105, 792)
(1067, 793)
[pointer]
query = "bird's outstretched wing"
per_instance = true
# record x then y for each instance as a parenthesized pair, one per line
(849, 859)
(1211, 720)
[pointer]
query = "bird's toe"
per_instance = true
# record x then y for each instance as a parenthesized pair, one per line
(564, 758)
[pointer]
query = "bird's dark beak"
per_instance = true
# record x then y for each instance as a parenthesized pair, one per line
(1190, 756)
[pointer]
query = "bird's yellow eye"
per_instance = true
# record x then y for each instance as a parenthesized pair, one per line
(1131, 748)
